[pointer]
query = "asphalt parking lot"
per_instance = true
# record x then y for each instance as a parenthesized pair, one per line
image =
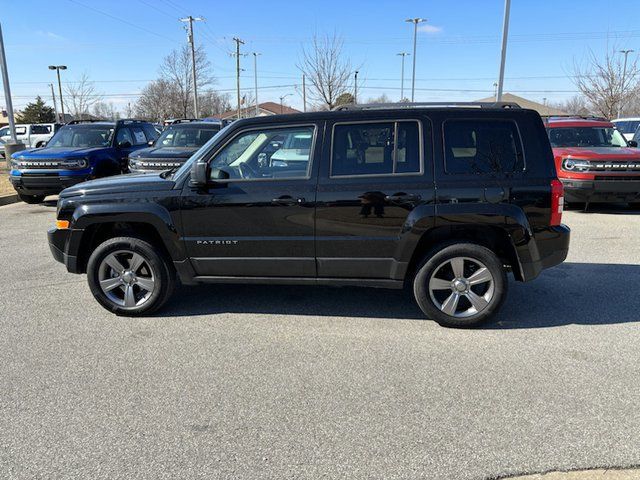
(304, 382)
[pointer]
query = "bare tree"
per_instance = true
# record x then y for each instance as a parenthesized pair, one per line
(381, 99)
(80, 96)
(211, 103)
(106, 110)
(159, 100)
(600, 81)
(176, 68)
(576, 105)
(327, 70)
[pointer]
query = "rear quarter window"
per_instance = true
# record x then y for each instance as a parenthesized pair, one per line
(482, 147)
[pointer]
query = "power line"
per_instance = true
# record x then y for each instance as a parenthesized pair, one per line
(126, 22)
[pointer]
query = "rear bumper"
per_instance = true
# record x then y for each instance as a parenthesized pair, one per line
(58, 244)
(45, 184)
(609, 190)
(550, 248)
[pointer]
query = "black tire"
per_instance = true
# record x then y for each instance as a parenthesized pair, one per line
(489, 294)
(31, 199)
(157, 268)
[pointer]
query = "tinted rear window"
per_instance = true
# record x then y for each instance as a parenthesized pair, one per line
(480, 147)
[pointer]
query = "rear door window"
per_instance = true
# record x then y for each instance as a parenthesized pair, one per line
(376, 148)
(482, 147)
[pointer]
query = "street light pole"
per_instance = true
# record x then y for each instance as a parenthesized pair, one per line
(55, 105)
(624, 74)
(190, 20)
(57, 68)
(281, 102)
(503, 51)
(7, 93)
(415, 22)
(402, 54)
(255, 79)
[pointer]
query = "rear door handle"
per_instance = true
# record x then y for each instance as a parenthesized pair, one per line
(403, 197)
(288, 200)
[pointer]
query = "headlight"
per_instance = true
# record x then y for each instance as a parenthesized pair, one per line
(573, 165)
(74, 163)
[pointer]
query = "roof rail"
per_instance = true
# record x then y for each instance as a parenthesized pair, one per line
(127, 121)
(581, 117)
(378, 106)
(87, 120)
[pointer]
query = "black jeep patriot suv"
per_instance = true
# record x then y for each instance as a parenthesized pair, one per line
(444, 198)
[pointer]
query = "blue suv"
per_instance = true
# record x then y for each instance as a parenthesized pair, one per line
(79, 151)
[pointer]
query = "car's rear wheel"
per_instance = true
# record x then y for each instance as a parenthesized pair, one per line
(460, 285)
(32, 199)
(128, 276)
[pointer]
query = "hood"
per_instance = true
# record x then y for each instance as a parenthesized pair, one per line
(595, 153)
(164, 152)
(55, 152)
(144, 182)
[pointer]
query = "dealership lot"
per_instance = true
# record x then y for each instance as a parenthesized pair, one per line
(296, 382)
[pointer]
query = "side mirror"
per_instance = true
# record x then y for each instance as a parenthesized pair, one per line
(633, 143)
(124, 144)
(151, 142)
(199, 174)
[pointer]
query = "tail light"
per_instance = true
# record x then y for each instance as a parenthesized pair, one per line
(557, 202)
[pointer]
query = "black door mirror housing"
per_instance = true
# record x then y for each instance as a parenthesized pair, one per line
(633, 143)
(199, 176)
(124, 144)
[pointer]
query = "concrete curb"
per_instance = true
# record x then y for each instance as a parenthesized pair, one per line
(597, 474)
(8, 199)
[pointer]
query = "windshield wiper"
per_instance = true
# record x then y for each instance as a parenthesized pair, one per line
(171, 171)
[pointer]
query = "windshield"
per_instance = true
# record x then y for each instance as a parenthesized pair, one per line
(627, 126)
(82, 136)
(186, 136)
(186, 166)
(586, 137)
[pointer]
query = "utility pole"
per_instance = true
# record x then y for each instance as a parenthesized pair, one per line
(415, 22)
(57, 68)
(503, 51)
(255, 79)
(304, 92)
(55, 105)
(190, 20)
(624, 74)
(402, 54)
(238, 43)
(355, 87)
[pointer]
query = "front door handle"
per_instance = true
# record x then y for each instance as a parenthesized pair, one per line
(288, 200)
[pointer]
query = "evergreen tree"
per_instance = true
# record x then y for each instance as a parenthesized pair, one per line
(37, 112)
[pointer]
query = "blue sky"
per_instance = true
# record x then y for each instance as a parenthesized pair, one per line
(120, 44)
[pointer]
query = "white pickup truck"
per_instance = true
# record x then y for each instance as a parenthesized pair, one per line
(32, 135)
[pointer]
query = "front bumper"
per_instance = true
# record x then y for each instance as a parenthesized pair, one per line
(58, 244)
(45, 183)
(603, 189)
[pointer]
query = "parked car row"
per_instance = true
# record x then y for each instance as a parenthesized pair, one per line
(85, 150)
(594, 161)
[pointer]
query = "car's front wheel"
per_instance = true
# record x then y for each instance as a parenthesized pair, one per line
(31, 199)
(460, 285)
(128, 276)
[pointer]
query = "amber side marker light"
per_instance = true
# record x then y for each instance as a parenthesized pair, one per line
(62, 224)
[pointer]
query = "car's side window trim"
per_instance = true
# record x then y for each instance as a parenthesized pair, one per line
(270, 127)
(395, 122)
(483, 119)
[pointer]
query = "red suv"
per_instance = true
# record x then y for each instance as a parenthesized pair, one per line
(594, 161)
